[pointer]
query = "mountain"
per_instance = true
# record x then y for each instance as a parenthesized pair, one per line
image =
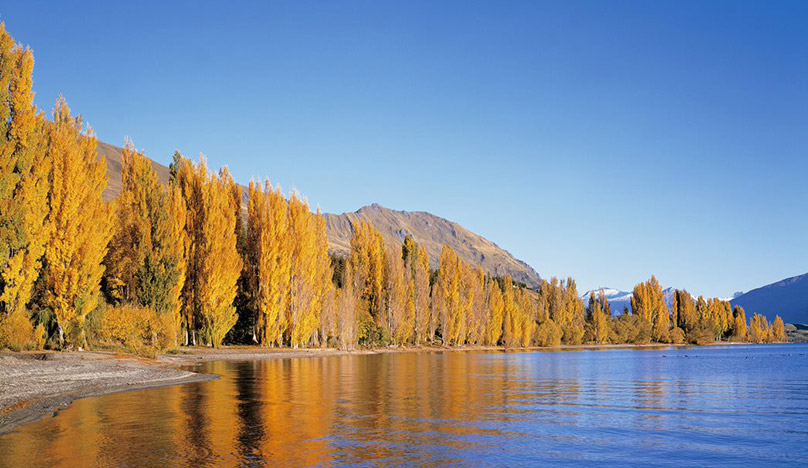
(113, 154)
(427, 229)
(734, 295)
(617, 299)
(621, 299)
(432, 232)
(787, 298)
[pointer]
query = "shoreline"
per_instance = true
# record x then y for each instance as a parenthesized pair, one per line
(34, 384)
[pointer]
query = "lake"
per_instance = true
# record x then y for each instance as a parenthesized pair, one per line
(710, 406)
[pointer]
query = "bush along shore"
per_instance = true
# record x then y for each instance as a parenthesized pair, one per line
(184, 263)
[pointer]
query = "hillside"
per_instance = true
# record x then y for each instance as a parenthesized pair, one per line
(786, 298)
(113, 155)
(426, 228)
(433, 232)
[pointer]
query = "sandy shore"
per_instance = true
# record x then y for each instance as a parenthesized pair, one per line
(35, 384)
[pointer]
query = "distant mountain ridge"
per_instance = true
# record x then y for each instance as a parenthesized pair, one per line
(787, 298)
(430, 230)
(619, 300)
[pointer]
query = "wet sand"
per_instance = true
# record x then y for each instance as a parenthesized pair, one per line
(33, 385)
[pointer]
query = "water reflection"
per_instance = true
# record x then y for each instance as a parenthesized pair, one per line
(740, 406)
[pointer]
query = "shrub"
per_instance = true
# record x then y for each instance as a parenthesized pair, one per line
(629, 328)
(371, 334)
(701, 336)
(18, 333)
(138, 330)
(548, 334)
(677, 336)
(573, 334)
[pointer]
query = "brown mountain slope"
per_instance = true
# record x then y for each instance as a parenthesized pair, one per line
(425, 228)
(433, 232)
(113, 155)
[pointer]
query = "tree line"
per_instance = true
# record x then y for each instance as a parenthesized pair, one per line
(184, 263)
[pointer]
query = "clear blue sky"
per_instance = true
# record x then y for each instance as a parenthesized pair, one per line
(606, 140)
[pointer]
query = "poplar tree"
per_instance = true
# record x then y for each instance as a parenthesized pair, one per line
(758, 331)
(325, 295)
(648, 303)
(146, 259)
(597, 322)
(526, 317)
(568, 311)
(187, 183)
(399, 307)
(778, 330)
(496, 308)
(305, 299)
(80, 224)
(218, 260)
(739, 324)
(269, 260)
(367, 265)
(24, 169)
(511, 333)
(448, 298)
(416, 262)
(477, 311)
(348, 299)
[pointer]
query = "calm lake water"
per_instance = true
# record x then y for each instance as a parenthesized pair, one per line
(714, 406)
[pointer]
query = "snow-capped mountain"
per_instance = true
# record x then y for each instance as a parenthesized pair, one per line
(618, 300)
(734, 295)
(787, 298)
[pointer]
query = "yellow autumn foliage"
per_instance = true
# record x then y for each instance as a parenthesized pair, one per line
(139, 330)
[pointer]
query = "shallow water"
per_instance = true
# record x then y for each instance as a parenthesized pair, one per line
(712, 406)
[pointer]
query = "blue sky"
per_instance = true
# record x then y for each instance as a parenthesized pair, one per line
(606, 140)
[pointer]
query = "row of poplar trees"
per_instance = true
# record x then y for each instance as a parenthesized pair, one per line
(198, 262)
(54, 225)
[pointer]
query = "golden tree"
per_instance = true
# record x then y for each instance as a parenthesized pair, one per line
(367, 265)
(597, 320)
(146, 259)
(325, 293)
(399, 306)
(739, 324)
(417, 263)
(447, 296)
(309, 273)
(758, 331)
(511, 329)
(213, 263)
(496, 311)
(778, 330)
(570, 318)
(527, 319)
(80, 223)
(24, 169)
(348, 298)
(269, 258)
(684, 312)
(648, 302)
(186, 184)
(476, 310)
(218, 262)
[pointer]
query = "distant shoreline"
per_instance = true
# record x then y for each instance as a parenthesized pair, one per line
(34, 384)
